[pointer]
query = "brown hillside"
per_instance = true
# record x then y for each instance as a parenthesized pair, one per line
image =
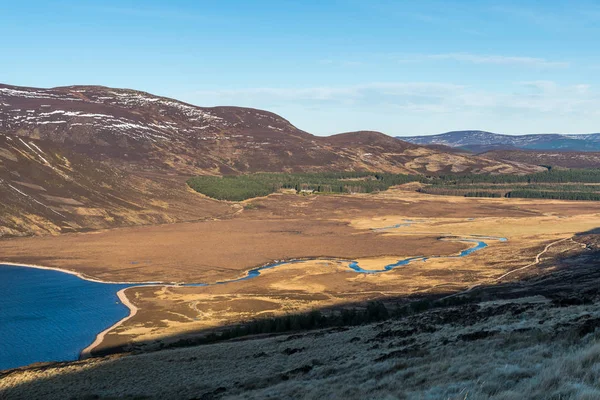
(90, 157)
(566, 159)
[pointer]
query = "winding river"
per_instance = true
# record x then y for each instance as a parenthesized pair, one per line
(50, 315)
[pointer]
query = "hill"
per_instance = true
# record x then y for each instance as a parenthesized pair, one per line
(157, 133)
(564, 159)
(90, 157)
(482, 141)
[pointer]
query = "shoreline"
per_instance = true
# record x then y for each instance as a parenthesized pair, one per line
(80, 275)
(87, 352)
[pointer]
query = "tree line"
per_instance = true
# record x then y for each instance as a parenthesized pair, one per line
(591, 175)
(242, 187)
(524, 193)
(575, 184)
(374, 311)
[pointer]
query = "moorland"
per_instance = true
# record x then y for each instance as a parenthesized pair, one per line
(264, 261)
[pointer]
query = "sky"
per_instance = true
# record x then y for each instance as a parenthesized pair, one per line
(400, 67)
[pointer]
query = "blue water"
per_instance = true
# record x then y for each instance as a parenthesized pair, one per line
(49, 315)
(480, 245)
(407, 222)
(353, 265)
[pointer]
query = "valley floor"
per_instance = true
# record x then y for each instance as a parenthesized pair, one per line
(284, 227)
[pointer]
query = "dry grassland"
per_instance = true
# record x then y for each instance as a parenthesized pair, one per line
(286, 227)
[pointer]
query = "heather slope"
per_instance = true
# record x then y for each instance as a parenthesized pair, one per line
(154, 132)
(46, 189)
(564, 159)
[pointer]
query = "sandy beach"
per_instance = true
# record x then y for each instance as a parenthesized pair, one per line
(87, 352)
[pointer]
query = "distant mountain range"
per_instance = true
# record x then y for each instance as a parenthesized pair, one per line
(482, 141)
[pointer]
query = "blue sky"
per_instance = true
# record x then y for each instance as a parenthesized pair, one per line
(400, 67)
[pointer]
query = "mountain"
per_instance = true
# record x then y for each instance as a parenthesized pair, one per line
(564, 159)
(91, 157)
(482, 141)
(448, 149)
(159, 134)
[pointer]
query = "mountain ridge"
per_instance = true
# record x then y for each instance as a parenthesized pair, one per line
(481, 141)
(564, 159)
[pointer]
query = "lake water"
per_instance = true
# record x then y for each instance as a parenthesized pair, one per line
(49, 315)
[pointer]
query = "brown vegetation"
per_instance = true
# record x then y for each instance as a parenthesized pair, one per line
(565, 159)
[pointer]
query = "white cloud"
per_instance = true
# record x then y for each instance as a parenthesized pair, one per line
(333, 93)
(539, 86)
(582, 88)
(533, 62)
(576, 15)
(424, 107)
(428, 97)
(341, 63)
